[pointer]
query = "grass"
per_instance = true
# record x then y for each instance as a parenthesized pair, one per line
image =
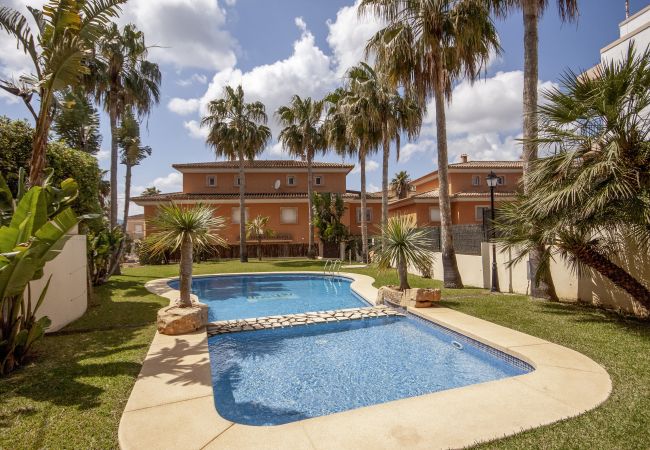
(73, 392)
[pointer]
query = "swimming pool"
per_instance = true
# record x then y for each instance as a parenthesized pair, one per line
(271, 377)
(245, 296)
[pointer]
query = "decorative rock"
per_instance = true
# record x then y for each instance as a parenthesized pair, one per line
(174, 320)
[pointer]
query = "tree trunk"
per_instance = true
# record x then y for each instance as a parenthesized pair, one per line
(311, 254)
(364, 224)
(127, 197)
(616, 274)
(243, 252)
(544, 288)
(384, 181)
(402, 273)
(39, 144)
(186, 272)
(112, 113)
(259, 249)
(451, 275)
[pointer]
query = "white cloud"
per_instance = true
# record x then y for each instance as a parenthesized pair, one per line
(370, 187)
(485, 146)
(103, 155)
(183, 106)
(412, 148)
(172, 182)
(186, 33)
(195, 130)
(194, 78)
(276, 150)
(371, 166)
(348, 35)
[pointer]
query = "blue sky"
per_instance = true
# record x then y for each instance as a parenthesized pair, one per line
(281, 47)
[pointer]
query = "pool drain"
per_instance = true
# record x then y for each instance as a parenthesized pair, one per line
(457, 344)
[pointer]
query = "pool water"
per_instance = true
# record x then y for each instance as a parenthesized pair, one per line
(247, 296)
(271, 377)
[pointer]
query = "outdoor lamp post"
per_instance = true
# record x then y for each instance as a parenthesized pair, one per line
(492, 181)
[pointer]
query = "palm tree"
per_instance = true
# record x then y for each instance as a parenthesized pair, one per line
(404, 245)
(133, 153)
(589, 199)
(257, 229)
(237, 134)
(395, 113)
(153, 190)
(77, 122)
(426, 46)
(188, 228)
(303, 136)
(354, 130)
(401, 183)
(532, 11)
(60, 51)
(122, 77)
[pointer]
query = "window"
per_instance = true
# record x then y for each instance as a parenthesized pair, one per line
(501, 180)
(211, 181)
(235, 215)
(237, 181)
(476, 180)
(480, 210)
(291, 180)
(368, 215)
(318, 180)
(138, 228)
(288, 215)
(434, 214)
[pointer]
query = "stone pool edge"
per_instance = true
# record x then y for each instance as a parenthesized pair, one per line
(171, 405)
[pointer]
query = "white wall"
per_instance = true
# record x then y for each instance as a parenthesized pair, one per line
(67, 296)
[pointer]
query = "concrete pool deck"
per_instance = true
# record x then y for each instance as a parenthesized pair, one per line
(172, 404)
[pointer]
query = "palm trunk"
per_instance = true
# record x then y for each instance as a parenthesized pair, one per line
(186, 272)
(616, 274)
(451, 275)
(112, 113)
(384, 180)
(39, 144)
(127, 197)
(364, 224)
(311, 254)
(243, 252)
(402, 272)
(259, 249)
(544, 288)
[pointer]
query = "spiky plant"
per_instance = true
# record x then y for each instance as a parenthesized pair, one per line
(404, 245)
(187, 228)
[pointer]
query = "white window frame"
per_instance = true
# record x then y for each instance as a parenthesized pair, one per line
(431, 209)
(235, 217)
(295, 180)
(322, 180)
(476, 180)
(478, 216)
(138, 228)
(368, 214)
(501, 180)
(213, 178)
(236, 181)
(282, 221)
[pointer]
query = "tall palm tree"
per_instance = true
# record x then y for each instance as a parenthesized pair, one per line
(532, 11)
(426, 46)
(189, 229)
(401, 183)
(60, 50)
(395, 113)
(303, 136)
(237, 133)
(122, 77)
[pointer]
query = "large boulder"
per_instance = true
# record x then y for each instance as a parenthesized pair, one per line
(174, 319)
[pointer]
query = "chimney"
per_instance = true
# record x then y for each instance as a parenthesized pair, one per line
(463, 158)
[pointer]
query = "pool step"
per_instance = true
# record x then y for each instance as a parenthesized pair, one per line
(292, 320)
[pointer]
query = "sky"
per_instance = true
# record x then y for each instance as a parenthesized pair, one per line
(279, 48)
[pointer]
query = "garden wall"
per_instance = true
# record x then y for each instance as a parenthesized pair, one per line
(67, 296)
(588, 287)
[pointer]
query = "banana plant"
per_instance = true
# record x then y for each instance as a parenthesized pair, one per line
(32, 232)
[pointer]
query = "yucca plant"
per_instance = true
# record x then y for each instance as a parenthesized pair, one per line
(404, 245)
(257, 229)
(187, 228)
(33, 232)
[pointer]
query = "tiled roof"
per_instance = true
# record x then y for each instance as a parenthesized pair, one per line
(436, 194)
(262, 164)
(487, 165)
(351, 195)
(136, 217)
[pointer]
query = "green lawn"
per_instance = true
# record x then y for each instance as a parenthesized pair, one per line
(73, 392)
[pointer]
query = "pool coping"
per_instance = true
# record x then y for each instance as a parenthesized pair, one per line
(172, 406)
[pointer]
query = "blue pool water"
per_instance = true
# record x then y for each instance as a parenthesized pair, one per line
(246, 296)
(270, 377)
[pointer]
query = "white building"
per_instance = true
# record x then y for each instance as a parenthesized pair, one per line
(635, 29)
